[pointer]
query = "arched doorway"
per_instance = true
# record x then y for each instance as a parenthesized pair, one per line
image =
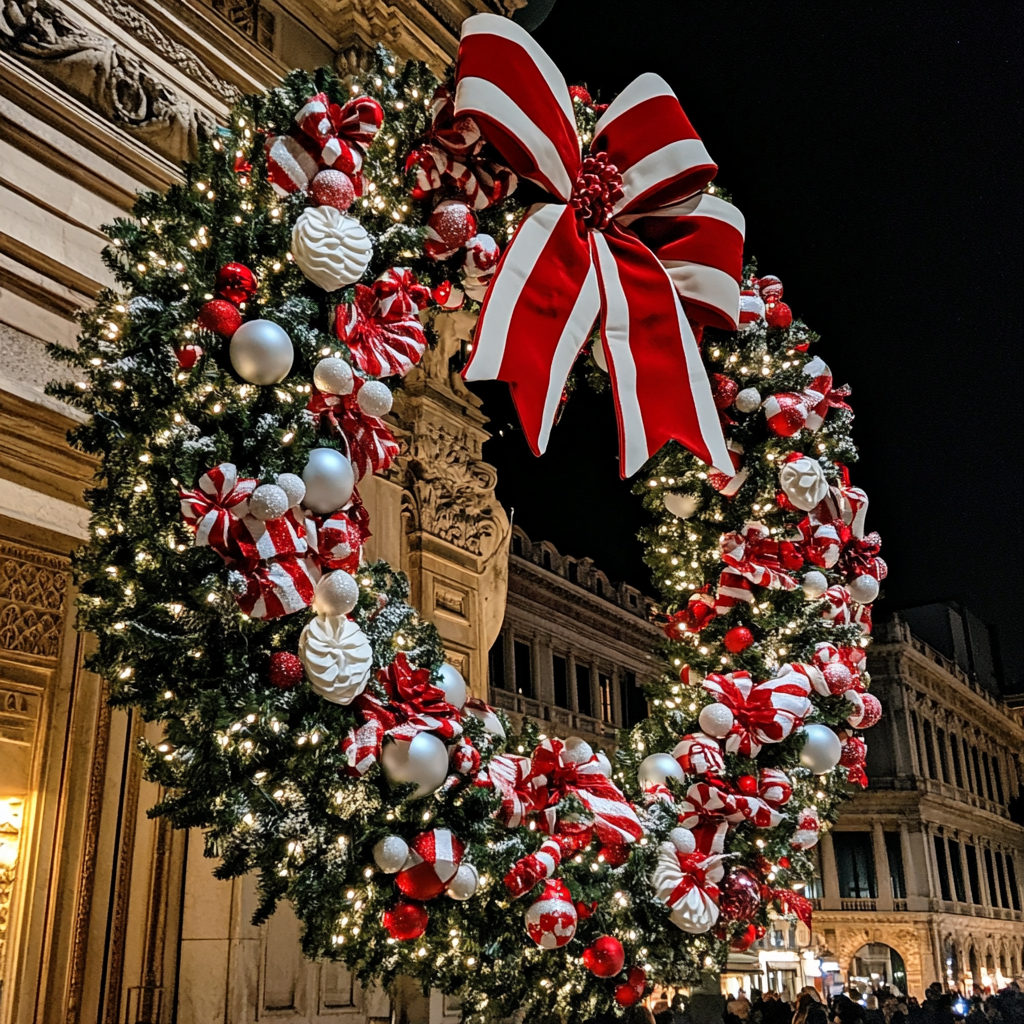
(876, 965)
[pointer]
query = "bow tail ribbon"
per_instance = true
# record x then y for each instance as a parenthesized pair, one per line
(791, 902)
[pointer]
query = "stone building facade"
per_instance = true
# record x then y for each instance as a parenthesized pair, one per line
(574, 648)
(921, 878)
(105, 915)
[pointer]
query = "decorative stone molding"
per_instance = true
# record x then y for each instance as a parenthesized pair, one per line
(104, 75)
(33, 588)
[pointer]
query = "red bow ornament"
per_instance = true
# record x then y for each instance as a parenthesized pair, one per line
(381, 327)
(860, 555)
(687, 884)
(820, 395)
(553, 777)
(765, 712)
(703, 811)
(819, 542)
(335, 540)
(808, 830)
(216, 509)
(371, 445)
(699, 611)
(507, 774)
(277, 587)
(325, 135)
(599, 248)
(754, 558)
(453, 157)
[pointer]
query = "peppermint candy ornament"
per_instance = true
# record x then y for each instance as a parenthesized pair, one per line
(551, 919)
(808, 830)
(699, 754)
(434, 858)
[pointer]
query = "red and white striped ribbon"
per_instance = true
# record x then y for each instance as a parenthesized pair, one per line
(554, 281)
(765, 712)
(279, 587)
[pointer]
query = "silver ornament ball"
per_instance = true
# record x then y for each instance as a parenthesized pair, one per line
(716, 720)
(863, 589)
(333, 376)
(261, 352)
(683, 840)
(748, 400)
(464, 884)
(814, 584)
(375, 398)
(329, 480)
(423, 761)
(390, 854)
(655, 769)
(293, 486)
(821, 750)
(268, 501)
(337, 593)
(453, 684)
(577, 750)
(606, 765)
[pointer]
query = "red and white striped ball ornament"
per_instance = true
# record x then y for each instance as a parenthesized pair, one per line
(786, 413)
(551, 919)
(449, 228)
(434, 858)
(866, 713)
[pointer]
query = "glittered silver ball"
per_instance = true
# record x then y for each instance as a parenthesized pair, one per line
(683, 840)
(333, 376)
(375, 398)
(716, 720)
(261, 352)
(863, 589)
(337, 593)
(293, 486)
(814, 585)
(577, 750)
(748, 400)
(465, 882)
(268, 501)
(329, 480)
(390, 854)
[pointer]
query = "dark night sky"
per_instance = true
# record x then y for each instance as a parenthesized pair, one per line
(876, 155)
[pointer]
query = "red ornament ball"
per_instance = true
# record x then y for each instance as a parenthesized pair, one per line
(406, 921)
(551, 918)
(740, 896)
(744, 940)
(723, 390)
(450, 227)
(768, 281)
(220, 317)
(738, 639)
(188, 355)
(615, 854)
(605, 957)
(838, 677)
(871, 713)
(783, 862)
(332, 188)
(236, 283)
(855, 752)
(580, 94)
(637, 979)
(286, 671)
(778, 315)
(747, 784)
(772, 293)
(434, 857)
(626, 995)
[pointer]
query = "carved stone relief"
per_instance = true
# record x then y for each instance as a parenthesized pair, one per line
(33, 587)
(104, 75)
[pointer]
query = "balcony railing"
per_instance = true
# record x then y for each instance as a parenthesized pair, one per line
(565, 721)
(859, 905)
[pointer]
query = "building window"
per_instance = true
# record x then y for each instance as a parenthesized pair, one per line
(1003, 891)
(915, 727)
(1000, 798)
(634, 703)
(972, 873)
(815, 890)
(523, 656)
(599, 586)
(980, 786)
(496, 663)
(560, 673)
(856, 863)
(894, 856)
(958, 871)
(1011, 874)
(967, 764)
(517, 545)
(987, 776)
(546, 559)
(991, 872)
(954, 756)
(942, 868)
(584, 702)
(929, 749)
(940, 736)
(605, 686)
(574, 572)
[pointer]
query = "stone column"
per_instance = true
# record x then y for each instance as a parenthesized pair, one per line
(829, 874)
(883, 877)
(909, 863)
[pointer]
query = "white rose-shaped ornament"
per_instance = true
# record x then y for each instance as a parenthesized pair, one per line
(330, 248)
(803, 482)
(337, 657)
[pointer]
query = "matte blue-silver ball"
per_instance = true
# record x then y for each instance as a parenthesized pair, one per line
(261, 352)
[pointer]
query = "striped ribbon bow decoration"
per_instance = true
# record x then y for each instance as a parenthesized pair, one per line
(625, 229)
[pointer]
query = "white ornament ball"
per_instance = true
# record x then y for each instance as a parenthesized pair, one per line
(268, 501)
(375, 398)
(716, 720)
(293, 486)
(863, 589)
(390, 854)
(333, 376)
(423, 760)
(337, 657)
(682, 505)
(821, 750)
(492, 723)
(814, 585)
(748, 400)
(329, 480)
(337, 593)
(605, 764)
(577, 750)
(261, 352)
(656, 769)
(803, 482)
(454, 686)
(465, 882)
(683, 840)
(330, 248)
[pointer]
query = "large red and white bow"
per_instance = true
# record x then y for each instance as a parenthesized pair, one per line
(215, 510)
(325, 135)
(599, 249)
(765, 712)
(686, 884)
(703, 811)
(553, 777)
(753, 557)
